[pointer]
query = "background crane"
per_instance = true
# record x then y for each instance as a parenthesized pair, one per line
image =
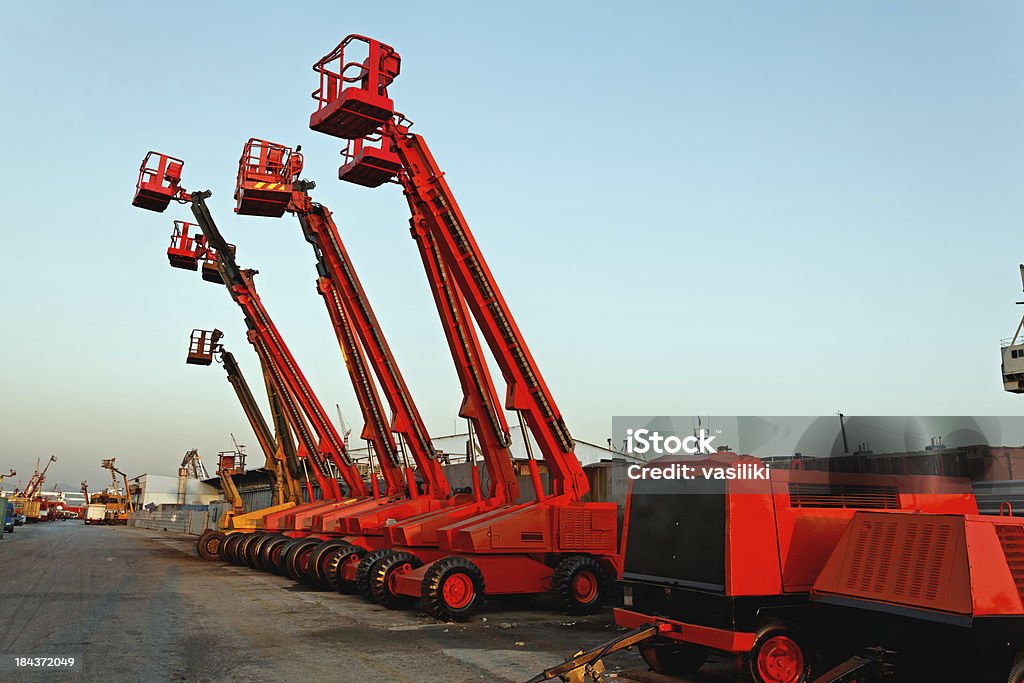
(192, 463)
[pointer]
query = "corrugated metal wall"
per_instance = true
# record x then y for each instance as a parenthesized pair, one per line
(257, 498)
(189, 520)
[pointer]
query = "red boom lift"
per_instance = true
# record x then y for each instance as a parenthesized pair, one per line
(264, 188)
(322, 445)
(555, 541)
(336, 563)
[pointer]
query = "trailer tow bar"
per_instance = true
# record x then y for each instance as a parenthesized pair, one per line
(875, 662)
(586, 666)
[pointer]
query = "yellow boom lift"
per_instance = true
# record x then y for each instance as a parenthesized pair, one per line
(118, 505)
(277, 445)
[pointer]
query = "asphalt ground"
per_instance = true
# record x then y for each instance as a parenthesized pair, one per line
(138, 605)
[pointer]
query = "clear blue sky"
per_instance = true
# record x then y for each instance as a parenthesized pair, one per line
(693, 207)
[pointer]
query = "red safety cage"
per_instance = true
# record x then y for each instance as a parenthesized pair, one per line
(231, 463)
(159, 181)
(265, 173)
(185, 250)
(210, 271)
(189, 247)
(202, 345)
(355, 111)
(369, 165)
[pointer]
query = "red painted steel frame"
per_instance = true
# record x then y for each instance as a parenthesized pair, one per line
(527, 392)
(717, 638)
(265, 335)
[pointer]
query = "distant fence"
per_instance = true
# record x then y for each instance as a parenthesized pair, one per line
(188, 520)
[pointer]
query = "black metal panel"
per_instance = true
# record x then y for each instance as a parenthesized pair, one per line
(676, 533)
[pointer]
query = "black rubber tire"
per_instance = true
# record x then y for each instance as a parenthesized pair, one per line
(253, 555)
(336, 561)
(229, 547)
(775, 629)
(434, 594)
(564, 582)
(225, 548)
(315, 573)
(366, 569)
(249, 549)
(673, 658)
(208, 545)
(280, 567)
(381, 575)
(270, 554)
(1017, 671)
(243, 549)
(295, 558)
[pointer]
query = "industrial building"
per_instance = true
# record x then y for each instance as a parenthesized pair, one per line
(152, 490)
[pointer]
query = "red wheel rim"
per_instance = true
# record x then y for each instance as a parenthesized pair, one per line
(585, 586)
(458, 590)
(275, 553)
(780, 660)
(303, 560)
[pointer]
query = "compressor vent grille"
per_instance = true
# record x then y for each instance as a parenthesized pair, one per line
(804, 495)
(914, 573)
(1011, 537)
(872, 558)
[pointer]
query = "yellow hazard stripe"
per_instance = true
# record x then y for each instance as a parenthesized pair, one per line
(266, 186)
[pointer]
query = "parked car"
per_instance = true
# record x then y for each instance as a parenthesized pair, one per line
(9, 517)
(19, 520)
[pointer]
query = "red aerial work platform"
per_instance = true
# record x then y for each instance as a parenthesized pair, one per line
(298, 522)
(159, 181)
(183, 252)
(335, 562)
(556, 540)
(189, 247)
(354, 112)
(202, 345)
(368, 165)
(264, 187)
(320, 444)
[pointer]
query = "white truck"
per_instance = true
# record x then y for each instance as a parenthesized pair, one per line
(95, 514)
